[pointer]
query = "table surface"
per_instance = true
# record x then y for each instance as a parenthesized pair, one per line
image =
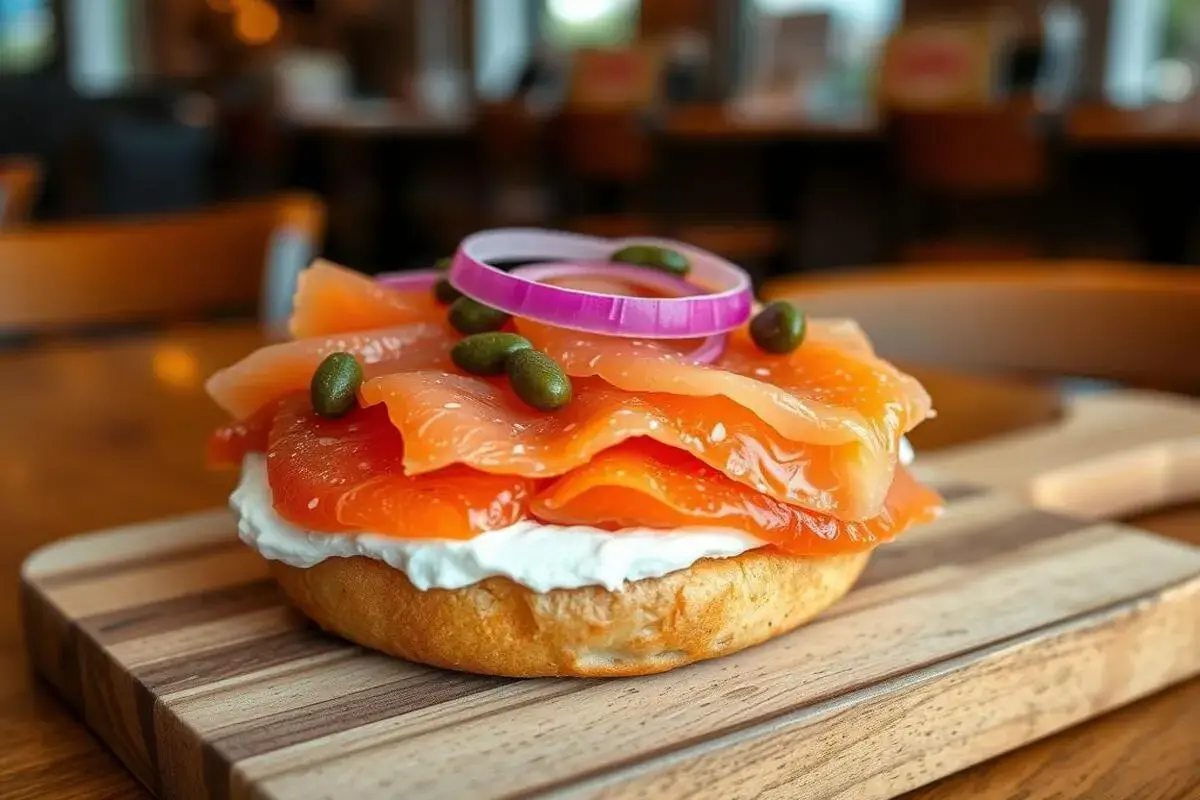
(103, 434)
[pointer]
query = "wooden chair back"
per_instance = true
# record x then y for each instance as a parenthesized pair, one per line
(975, 151)
(1134, 325)
(20, 182)
(171, 267)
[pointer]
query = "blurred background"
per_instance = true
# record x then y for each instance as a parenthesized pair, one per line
(793, 136)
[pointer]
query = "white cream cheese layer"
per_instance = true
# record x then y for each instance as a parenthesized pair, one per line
(541, 557)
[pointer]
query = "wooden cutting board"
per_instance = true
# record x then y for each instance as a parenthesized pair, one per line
(995, 626)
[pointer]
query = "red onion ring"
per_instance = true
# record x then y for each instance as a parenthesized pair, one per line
(680, 317)
(410, 280)
(708, 351)
(655, 279)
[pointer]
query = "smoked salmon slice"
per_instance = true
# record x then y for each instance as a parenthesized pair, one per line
(644, 484)
(818, 428)
(279, 369)
(345, 475)
(455, 419)
(230, 443)
(331, 299)
(833, 390)
(829, 391)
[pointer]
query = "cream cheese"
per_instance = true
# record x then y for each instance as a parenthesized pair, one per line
(540, 557)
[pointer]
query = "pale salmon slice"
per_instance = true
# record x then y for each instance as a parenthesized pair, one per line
(831, 390)
(276, 370)
(644, 484)
(332, 299)
(454, 419)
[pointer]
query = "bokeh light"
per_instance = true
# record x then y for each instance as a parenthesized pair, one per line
(579, 12)
(176, 367)
(256, 22)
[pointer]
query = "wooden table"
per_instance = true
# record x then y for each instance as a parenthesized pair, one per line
(110, 433)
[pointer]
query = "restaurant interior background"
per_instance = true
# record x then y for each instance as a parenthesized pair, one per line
(791, 136)
(1002, 192)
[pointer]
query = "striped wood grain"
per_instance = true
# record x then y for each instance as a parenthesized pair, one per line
(994, 626)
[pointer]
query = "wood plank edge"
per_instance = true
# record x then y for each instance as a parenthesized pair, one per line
(51, 643)
(117, 708)
(661, 773)
(186, 531)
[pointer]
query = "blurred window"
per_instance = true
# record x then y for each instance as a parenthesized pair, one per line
(1153, 51)
(859, 26)
(1173, 75)
(103, 42)
(1134, 38)
(510, 35)
(503, 43)
(571, 24)
(856, 32)
(27, 41)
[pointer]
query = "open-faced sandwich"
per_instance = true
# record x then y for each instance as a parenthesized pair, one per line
(610, 462)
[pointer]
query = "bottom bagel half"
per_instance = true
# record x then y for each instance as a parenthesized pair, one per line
(497, 627)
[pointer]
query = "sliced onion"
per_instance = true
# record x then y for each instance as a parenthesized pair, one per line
(410, 280)
(725, 307)
(659, 281)
(708, 351)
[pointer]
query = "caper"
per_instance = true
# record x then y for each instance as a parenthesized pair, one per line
(443, 263)
(486, 353)
(445, 293)
(538, 380)
(334, 385)
(650, 255)
(779, 328)
(469, 316)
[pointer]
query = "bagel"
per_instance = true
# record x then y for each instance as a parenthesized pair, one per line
(713, 608)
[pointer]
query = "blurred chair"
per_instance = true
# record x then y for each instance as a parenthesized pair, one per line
(950, 160)
(159, 268)
(1134, 325)
(20, 182)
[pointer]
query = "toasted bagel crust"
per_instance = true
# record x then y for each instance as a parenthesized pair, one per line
(497, 627)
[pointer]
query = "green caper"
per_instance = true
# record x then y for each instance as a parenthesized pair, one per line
(443, 263)
(538, 380)
(486, 353)
(650, 255)
(469, 316)
(334, 385)
(779, 328)
(445, 293)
